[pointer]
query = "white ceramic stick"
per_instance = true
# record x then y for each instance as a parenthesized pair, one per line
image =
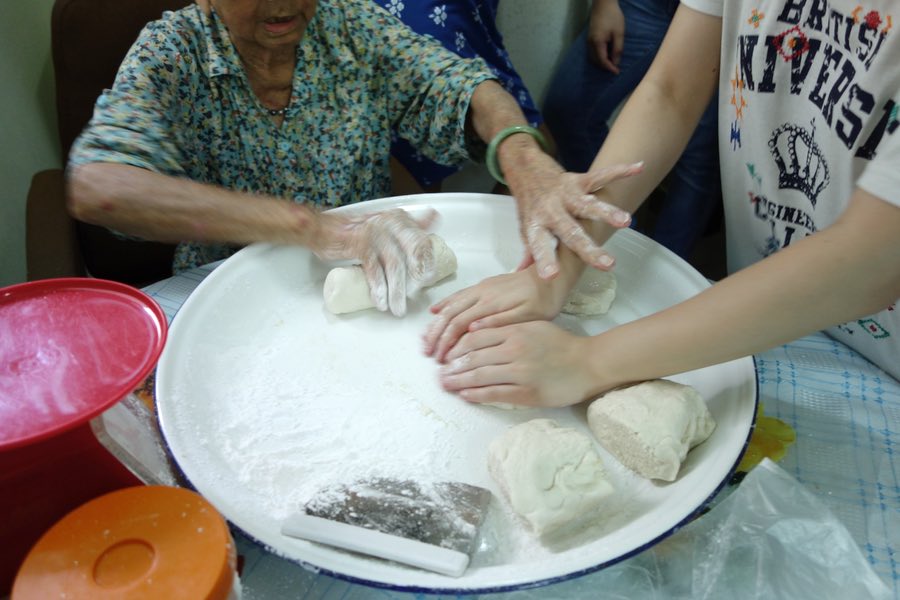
(375, 543)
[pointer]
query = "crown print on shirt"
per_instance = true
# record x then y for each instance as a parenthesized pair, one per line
(801, 164)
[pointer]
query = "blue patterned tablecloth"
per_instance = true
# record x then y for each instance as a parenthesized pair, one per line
(845, 411)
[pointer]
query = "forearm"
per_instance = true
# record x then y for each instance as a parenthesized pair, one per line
(729, 320)
(663, 132)
(158, 207)
(571, 268)
(844, 272)
(659, 118)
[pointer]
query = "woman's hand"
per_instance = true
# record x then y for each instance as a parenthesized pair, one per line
(393, 247)
(549, 199)
(500, 300)
(550, 202)
(532, 364)
(606, 34)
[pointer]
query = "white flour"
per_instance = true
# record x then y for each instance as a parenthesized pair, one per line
(279, 434)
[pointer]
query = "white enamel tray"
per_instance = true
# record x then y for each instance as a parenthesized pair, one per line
(264, 397)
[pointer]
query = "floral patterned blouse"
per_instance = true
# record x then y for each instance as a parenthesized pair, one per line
(181, 105)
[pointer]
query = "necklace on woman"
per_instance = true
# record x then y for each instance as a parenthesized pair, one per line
(277, 112)
(275, 95)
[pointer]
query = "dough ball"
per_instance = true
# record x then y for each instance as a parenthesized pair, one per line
(346, 289)
(551, 476)
(593, 295)
(650, 427)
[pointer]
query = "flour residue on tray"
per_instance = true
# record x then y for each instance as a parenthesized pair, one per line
(279, 415)
(283, 434)
(280, 436)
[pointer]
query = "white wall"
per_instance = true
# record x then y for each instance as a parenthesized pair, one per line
(536, 33)
(28, 138)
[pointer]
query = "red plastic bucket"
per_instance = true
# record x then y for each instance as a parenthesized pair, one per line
(69, 349)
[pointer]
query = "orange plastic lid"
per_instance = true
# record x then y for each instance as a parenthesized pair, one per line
(141, 542)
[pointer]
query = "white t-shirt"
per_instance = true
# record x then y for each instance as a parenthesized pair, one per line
(809, 93)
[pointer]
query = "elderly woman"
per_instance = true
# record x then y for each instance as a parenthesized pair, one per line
(220, 112)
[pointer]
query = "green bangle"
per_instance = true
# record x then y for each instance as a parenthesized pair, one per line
(493, 165)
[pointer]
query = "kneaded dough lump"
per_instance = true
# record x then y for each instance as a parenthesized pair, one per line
(651, 426)
(346, 289)
(551, 476)
(593, 295)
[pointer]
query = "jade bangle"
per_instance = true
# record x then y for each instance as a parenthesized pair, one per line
(493, 164)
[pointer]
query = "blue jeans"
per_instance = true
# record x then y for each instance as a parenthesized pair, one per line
(583, 96)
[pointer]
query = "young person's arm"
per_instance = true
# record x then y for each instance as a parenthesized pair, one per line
(654, 127)
(845, 271)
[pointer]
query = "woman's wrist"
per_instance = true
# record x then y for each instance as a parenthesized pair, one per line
(517, 152)
(308, 227)
(570, 265)
(554, 292)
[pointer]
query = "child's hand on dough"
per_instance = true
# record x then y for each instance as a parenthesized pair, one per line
(534, 364)
(500, 300)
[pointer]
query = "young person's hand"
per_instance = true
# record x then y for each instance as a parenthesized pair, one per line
(606, 34)
(531, 364)
(500, 300)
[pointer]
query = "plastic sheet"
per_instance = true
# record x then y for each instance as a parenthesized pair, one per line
(129, 432)
(769, 539)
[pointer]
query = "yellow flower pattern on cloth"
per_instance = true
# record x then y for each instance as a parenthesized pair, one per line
(770, 439)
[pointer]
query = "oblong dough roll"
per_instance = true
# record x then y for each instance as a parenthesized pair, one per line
(346, 289)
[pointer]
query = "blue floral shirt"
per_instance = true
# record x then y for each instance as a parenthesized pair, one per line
(468, 28)
(181, 105)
